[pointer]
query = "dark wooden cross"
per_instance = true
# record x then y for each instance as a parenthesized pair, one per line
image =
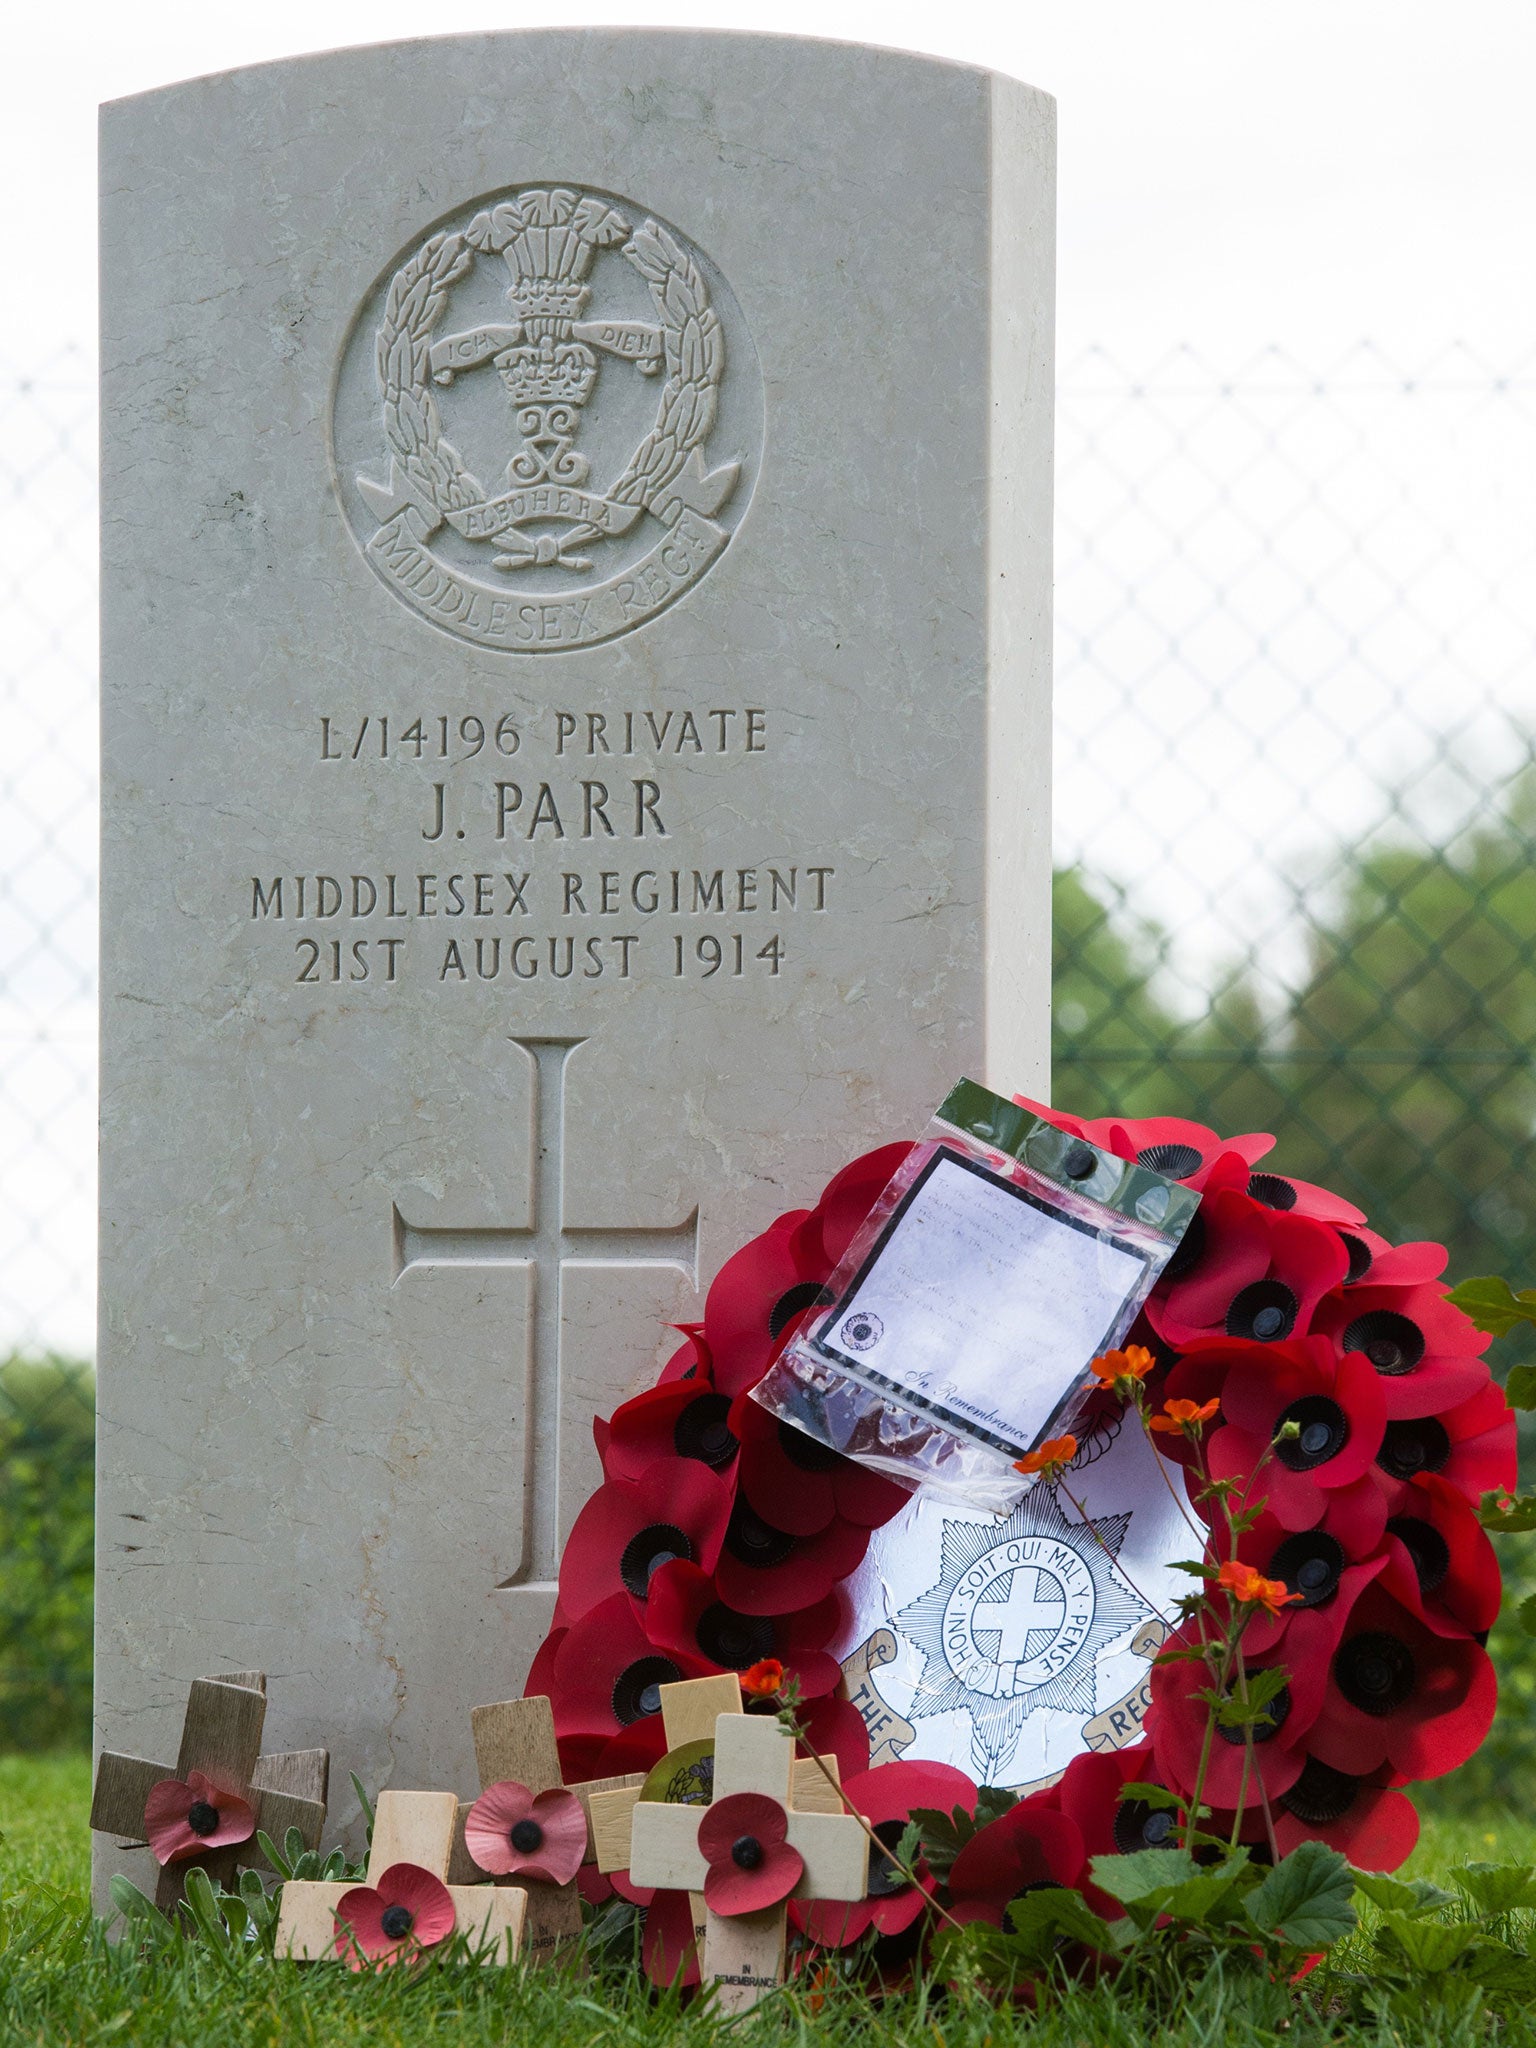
(549, 1246)
(221, 1737)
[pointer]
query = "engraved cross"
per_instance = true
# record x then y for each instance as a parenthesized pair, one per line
(548, 1248)
(1027, 1610)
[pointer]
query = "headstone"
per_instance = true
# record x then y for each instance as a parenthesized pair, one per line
(576, 726)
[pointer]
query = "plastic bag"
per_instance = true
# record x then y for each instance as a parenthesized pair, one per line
(1003, 1257)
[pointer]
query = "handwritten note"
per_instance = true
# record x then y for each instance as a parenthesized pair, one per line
(982, 1303)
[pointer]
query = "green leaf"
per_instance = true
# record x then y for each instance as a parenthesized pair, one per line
(1520, 1387)
(1419, 1896)
(1498, 1887)
(1143, 1874)
(1213, 1897)
(1427, 1944)
(1493, 1305)
(134, 1904)
(1305, 1900)
(363, 1801)
(1154, 1795)
(282, 1864)
(1511, 1520)
(1040, 1919)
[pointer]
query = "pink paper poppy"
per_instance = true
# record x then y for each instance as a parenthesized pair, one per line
(759, 1296)
(686, 1615)
(763, 1569)
(1428, 1354)
(1031, 1846)
(608, 1674)
(408, 1910)
(682, 1418)
(886, 1797)
(744, 1841)
(801, 1484)
(1245, 1270)
(188, 1817)
(1400, 1696)
(678, 1508)
(538, 1837)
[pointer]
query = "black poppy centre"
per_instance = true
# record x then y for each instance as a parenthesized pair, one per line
(202, 1818)
(1310, 1564)
(731, 1639)
(526, 1835)
(794, 1301)
(1266, 1311)
(1139, 1826)
(1420, 1445)
(1428, 1549)
(701, 1431)
(754, 1542)
(645, 1554)
(746, 1852)
(1273, 1716)
(1172, 1161)
(397, 1922)
(1392, 1343)
(637, 1689)
(1322, 1431)
(1320, 1795)
(1375, 1672)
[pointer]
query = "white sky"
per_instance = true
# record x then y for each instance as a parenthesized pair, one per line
(1239, 172)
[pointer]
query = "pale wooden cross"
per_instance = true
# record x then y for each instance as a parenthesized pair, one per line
(516, 1739)
(221, 1737)
(658, 1843)
(408, 1827)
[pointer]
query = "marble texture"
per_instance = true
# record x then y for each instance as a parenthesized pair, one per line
(388, 1210)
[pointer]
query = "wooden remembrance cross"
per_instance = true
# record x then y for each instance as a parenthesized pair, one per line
(742, 1952)
(221, 1737)
(408, 1827)
(516, 1739)
(548, 1246)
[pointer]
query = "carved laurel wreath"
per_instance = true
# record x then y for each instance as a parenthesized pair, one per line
(692, 341)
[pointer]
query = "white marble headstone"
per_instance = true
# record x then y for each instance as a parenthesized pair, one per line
(576, 727)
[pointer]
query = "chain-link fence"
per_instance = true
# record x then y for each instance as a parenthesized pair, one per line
(1296, 621)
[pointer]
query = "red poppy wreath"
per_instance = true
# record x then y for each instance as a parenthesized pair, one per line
(1284, 1332)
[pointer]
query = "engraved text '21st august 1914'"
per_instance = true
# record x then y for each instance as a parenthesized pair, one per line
(557, 848)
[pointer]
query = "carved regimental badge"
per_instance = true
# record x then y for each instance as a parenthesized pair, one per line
(571, 414)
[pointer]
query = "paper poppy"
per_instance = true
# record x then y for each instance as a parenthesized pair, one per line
(608, 1674)
(1176, 1723)
(1401, 1696)
(408, 1910)
(850, 1195)
(1472, 1447)
(668, 1951)
(1244, 1270)
(686, 1616)
(1440, 1562)
(538, 1837)
(629, 1529)
(1170, 1145)
(1428, 1355)
(751, 1863)
(1335, 1406)
(1316, 1567)
(886, 1796)
(681, 1418)
(759, 1296)
(185, 1817)
(763, 1569)
(1365, 1819)
(1029, 1846)
(801, 1483)
(1375, 1259)
(834, 1727)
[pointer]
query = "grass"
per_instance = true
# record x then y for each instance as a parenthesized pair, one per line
(61, 1984)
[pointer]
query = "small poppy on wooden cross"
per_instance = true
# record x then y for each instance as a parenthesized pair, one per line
(748, 1852)
(204, 1814)
(526, 1828)
(407, 1907)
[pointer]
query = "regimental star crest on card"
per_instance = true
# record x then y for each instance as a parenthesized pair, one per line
(1017, 1620)
(606, 508)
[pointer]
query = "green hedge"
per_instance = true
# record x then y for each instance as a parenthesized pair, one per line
(47, 1484)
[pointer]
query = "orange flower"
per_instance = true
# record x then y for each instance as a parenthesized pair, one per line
(1251, 1589)
(1184, 1418)
(764, 1680)
(1052, 1458)
(1122, 1371)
